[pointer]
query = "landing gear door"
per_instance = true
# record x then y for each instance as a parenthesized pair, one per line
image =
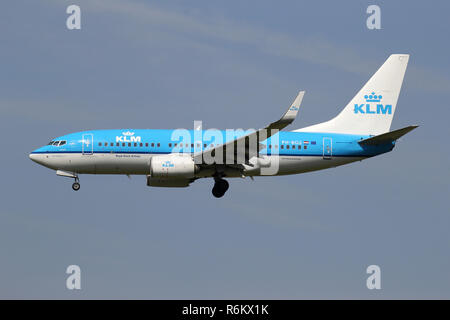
(327, 148)
(87, 146)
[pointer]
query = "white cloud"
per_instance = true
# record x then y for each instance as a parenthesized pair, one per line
(314, 50)
(311, 49)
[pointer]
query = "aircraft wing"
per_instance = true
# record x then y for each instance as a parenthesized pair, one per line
(250, 143)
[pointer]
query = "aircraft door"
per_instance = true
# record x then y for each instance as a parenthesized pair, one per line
(87, 148)
(327, 148)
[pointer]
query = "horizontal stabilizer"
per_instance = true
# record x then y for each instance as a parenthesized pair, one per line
(387, 137)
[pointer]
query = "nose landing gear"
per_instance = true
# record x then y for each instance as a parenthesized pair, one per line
(220, 187)
(76, 186)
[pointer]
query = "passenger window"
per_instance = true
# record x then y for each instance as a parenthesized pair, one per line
(192, 145)
(158, 145)
(299, 147)
(287, 147)
(123, 144)
(170, 145)
(135, 144)
(117, 144)
(100, 144)
(140, 144)
(204, 145)
(270, 146)
(62, 143)
(304, 147)
(129, 144)
(152, 144)
(282, 146)
(106, 144)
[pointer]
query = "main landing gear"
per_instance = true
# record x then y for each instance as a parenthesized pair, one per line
(220, 187)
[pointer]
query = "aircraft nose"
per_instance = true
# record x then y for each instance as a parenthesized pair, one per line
(34, 157)
(37, 157)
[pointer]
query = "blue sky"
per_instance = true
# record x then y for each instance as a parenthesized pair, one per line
(233, 64)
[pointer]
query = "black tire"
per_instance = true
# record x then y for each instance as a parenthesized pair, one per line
(76, 186)
(220, 187)
(217, 192)
(224, 185)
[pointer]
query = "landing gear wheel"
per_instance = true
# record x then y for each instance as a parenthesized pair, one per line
(220, 187)
(76, 186)
(224, 185)
(217, 192)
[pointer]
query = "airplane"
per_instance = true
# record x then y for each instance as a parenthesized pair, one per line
(176, 158)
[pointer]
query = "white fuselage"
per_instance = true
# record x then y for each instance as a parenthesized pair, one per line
(139, 164)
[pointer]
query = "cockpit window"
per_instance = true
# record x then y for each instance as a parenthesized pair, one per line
(57, 143)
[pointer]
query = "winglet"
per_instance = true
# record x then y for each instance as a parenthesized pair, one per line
(290, 114)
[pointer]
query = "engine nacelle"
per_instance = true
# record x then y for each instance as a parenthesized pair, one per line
(173, 166)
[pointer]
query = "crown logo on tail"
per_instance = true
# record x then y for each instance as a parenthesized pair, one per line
(373, 97)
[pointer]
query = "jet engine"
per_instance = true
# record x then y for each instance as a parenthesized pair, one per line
(173, 170)
(173, 166)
